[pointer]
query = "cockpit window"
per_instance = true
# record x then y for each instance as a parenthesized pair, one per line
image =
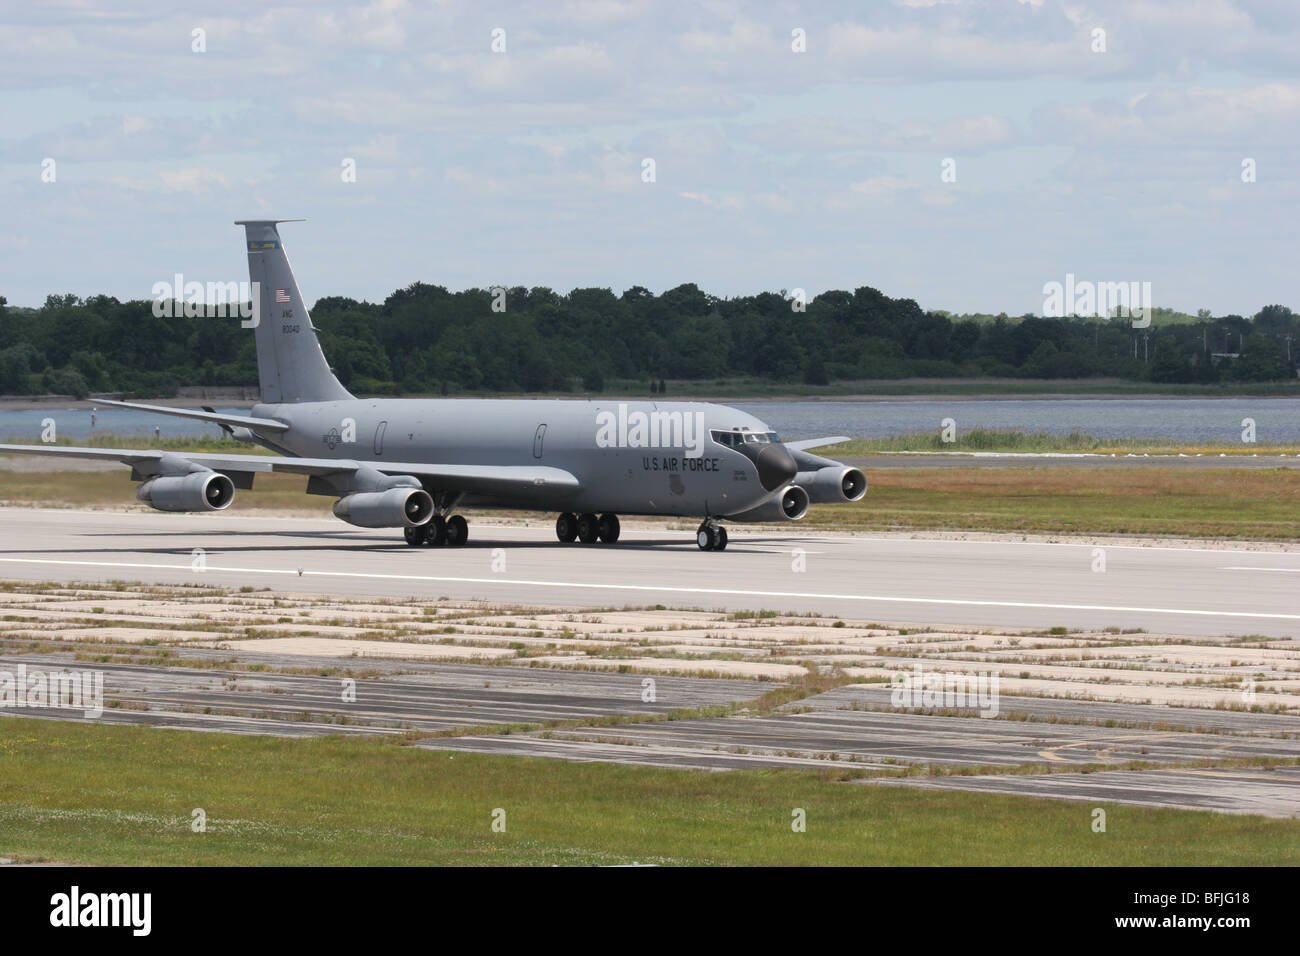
(737, 437)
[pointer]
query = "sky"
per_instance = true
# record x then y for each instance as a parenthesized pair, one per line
(962, 153)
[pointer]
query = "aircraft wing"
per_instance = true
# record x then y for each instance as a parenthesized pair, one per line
(479, 479)
(807, 443)
(247, 421)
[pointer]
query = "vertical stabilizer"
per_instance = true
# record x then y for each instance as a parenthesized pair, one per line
(290, 364)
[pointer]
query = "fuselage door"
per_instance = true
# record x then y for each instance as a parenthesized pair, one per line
(537, 441)
(379, 438)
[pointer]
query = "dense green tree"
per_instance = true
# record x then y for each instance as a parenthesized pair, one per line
(424, 339)
(1172, 367)
(65, 381)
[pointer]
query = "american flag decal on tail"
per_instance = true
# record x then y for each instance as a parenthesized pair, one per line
(281, 296)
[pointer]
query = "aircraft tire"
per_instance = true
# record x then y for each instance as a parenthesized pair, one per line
(588, 528)
(435, 535)
(457, 531)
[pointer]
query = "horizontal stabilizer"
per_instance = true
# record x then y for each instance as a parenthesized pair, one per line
(806, 443)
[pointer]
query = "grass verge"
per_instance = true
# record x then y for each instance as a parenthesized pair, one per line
(1002, 440)
(1246, 504)
(113, 489)
(121, 795)
(1157, 501)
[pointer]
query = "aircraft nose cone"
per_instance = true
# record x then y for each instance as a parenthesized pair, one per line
(776, 467)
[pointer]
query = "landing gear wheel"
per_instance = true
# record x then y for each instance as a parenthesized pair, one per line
(588, 528)
(566, 527)
(457, 530)
(707, 537)
(414, 536)
(711, 536)
(608, 528)
(435, 535)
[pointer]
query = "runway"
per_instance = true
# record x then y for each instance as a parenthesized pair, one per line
(929, 581)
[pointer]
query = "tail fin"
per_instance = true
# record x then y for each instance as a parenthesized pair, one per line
(290, 364)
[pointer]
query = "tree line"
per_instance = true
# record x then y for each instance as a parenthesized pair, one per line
(426, 340)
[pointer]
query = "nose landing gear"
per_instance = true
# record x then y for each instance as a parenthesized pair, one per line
(711, 536)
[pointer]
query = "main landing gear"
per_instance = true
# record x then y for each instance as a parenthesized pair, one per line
(587, 528)
(438, 531)
(711, 536)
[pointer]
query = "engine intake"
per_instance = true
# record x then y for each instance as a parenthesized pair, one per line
(833, 484)
(789, 504)
(395, 508)
(198, 491)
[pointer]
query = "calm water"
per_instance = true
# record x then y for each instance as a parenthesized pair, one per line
(1191, 420)
(25, 427)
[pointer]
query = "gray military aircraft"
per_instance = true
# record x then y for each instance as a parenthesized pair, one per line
(411, 463)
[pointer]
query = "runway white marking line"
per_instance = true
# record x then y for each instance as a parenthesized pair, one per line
(750, 549)
(733, 592)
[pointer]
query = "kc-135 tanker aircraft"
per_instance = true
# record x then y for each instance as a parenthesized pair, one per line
(411, 463)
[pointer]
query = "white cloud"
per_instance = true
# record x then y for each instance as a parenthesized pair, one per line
(879, 187)
(724, 203)
(530, 160)
(1267, 115)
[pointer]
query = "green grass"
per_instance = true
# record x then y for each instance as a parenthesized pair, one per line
(113, 489)
(1231, 503)
(988, 439)
(120, 795)
(1251, 504)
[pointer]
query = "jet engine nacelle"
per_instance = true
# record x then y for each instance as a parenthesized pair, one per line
(197, 491)
(789, 504)
(395, 508)
(833, 484)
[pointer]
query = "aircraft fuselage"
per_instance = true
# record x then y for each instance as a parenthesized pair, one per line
(637, 458)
